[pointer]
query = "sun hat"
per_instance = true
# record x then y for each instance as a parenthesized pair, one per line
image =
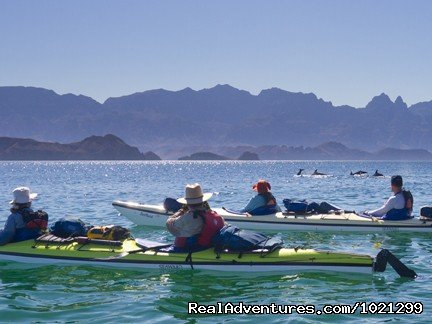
(194, 195)
(22, 195)
(262, 186)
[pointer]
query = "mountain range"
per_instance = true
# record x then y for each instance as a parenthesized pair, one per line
(108, 147)
(169, 122)
(325, 151)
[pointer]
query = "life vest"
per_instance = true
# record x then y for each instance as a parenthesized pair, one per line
(34, 220)
(403, 213)
(409, 200)
(213, 223)
(269, 198)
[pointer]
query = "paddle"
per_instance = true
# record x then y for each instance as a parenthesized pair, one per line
(236, 212)
(86, 240)
(233, 211)
(384, 257)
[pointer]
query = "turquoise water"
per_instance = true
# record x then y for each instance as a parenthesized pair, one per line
(86, 189)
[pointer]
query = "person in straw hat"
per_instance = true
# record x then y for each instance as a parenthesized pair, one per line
(195, 224)
(264, 197)
(23, 223)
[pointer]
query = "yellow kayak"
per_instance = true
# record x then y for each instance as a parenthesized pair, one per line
(144, 254)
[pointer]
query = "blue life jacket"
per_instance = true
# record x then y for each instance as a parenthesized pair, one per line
(397, 214)
(403, 213)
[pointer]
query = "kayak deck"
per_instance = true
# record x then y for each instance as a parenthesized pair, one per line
(155, 215)
(281, 260)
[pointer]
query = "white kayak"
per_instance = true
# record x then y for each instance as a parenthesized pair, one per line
(156, 216)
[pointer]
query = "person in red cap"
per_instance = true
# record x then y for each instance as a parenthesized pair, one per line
(263, 198)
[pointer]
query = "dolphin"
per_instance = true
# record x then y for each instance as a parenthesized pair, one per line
(300, 172)
(358, 173)
(316, 173)
(377, 174)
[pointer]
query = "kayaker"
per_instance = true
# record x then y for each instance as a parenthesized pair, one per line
(194, 225)
(23, 223)
(264, 197)
(399, 206)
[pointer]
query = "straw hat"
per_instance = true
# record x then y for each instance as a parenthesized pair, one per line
(22, 195)
(194, 195)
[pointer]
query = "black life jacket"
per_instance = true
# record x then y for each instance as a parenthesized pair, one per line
(269, 198)
(34, 220)
(409, 199)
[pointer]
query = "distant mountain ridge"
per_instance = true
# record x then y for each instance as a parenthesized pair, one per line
(209, 156)
(220, 116)
(203, 156)
(108, 147)
(325, 151)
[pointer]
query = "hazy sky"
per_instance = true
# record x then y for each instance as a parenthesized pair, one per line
(344, 51)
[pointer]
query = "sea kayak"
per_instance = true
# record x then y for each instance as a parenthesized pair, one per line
(156, 216)
(144, 254)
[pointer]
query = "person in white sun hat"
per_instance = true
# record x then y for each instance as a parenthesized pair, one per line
(195, 224)
(23, 223)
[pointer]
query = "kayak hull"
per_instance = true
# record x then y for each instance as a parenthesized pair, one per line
(156, 216)
(286, 268)
(280, 261)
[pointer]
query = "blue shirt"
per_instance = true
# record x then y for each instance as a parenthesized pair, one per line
(254, 203)
(13, 223)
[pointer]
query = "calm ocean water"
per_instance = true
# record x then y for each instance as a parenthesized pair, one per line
(86, 189)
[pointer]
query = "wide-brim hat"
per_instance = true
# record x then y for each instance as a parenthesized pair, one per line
(22, 195)
(194, 195)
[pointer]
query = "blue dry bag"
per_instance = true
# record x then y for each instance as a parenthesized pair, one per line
(426, 211)
(69, 227)
(300, 206)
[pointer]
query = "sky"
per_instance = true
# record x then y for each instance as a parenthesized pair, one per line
(343, 51)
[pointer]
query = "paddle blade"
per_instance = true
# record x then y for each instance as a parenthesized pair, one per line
(384, 257)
